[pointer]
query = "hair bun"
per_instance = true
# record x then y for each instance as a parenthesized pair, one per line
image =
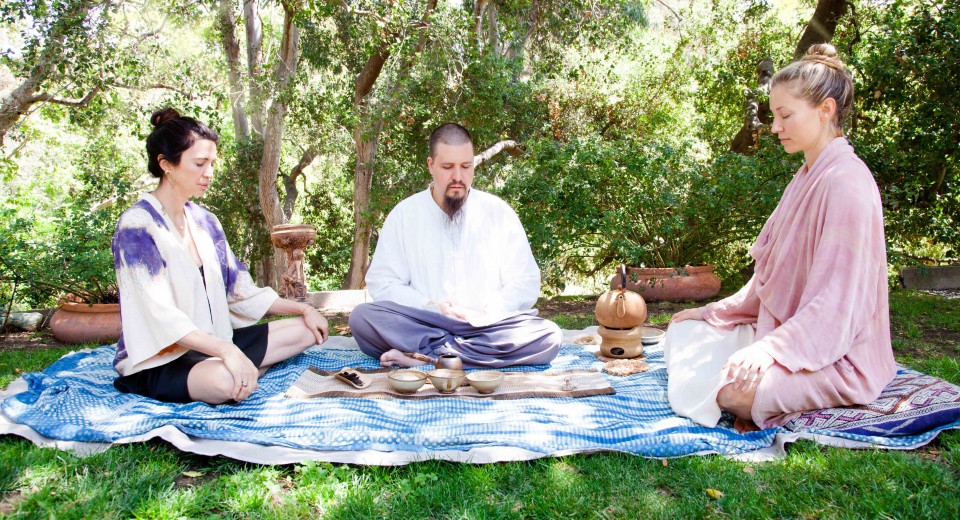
(824, 53)
(163, 115)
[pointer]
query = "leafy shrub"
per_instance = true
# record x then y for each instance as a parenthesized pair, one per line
(587, 204)
(46, 256)
(906, 128)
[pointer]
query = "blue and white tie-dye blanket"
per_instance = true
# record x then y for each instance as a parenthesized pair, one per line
(73, 404)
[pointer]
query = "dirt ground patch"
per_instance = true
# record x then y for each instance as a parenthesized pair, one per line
(29, 340)
(10, 501)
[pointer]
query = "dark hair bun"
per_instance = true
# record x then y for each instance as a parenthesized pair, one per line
(824, 53)
(163, 115)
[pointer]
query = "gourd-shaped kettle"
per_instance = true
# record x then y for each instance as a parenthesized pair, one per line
(619, 308)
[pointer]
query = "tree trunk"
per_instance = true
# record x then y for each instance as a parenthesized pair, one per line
(254, 29)
(365, 145)
(821, 26)
(756, 113)
(270, 163)
(366, 150)
(493, 32)
(19, 100)
(231, 49)
(290, 181)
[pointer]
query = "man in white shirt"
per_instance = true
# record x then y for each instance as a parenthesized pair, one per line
(453, 274)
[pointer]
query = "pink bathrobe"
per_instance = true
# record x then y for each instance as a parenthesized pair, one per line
(818, 295)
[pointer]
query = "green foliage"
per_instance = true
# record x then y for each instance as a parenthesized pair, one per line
(326, 205)
(627, 109)
(588, 204)
(907, 127)
(67, 251)
(233, 197)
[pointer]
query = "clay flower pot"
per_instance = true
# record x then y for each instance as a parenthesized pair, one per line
(683, 284)
(83, 322)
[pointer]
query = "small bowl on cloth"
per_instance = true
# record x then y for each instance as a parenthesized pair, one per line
(446, 380)
(485, 381)
(406, 381)
(651, 336)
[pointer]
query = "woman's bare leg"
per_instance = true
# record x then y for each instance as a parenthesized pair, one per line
(286, 339)
(210, 382)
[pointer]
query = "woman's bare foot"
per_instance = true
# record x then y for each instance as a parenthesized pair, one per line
(395, 358)
(745, 425)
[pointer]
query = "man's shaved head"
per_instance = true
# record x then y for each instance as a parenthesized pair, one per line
(450, 134)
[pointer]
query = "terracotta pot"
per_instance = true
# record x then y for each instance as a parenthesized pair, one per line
(672, 284)
(81, 322)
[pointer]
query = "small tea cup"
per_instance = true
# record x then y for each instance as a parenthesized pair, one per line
(446, 380)
(486, 381)
(406, 381)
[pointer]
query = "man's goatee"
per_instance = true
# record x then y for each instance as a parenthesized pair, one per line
(452, 205)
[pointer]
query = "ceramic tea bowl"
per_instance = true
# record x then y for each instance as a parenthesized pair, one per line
(446, 380)
(486, 381)
(406, 381)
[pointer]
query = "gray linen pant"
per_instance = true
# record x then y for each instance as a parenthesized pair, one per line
(517, 340)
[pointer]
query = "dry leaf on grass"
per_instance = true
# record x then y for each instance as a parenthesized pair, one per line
(192, 474)
(749, 469)
(714, 494)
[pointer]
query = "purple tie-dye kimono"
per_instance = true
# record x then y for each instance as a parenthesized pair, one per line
(164, 295)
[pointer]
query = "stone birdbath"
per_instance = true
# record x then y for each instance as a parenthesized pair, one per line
(293, 239)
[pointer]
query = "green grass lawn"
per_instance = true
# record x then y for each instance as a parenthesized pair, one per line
(153, 480)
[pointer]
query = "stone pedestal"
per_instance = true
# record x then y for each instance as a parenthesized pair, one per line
(293, 239)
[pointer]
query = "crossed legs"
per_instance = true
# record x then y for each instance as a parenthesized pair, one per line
(210, 381)
(387, 331)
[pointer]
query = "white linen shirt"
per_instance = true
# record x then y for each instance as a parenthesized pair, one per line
(484, 263)
(162, 293)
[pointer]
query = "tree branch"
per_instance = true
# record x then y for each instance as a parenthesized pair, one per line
(478, 16)
(153, 86)
(371, 71)
(50, 98)
(668, 8)
(514, 148)
(290, 180)
(821, 26)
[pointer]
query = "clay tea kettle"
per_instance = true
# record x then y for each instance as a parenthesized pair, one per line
(620, 308)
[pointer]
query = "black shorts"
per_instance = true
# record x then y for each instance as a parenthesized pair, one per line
(169, 382)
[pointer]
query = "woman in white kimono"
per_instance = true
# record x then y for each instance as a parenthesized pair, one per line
(189, 307)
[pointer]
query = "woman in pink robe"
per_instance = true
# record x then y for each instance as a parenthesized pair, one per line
(818, 296)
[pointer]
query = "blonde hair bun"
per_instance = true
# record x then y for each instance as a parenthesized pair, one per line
(826, 54)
